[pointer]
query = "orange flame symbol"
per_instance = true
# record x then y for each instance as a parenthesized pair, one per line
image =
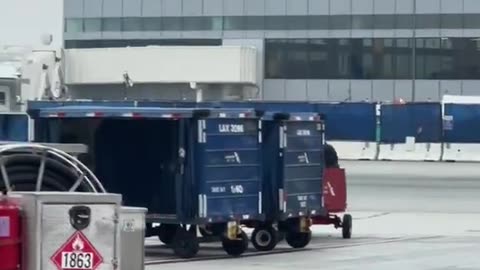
(78, 244)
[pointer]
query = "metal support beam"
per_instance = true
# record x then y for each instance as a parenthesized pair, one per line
(414, 49)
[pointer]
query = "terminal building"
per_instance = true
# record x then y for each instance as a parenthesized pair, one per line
(337, 50)
(317, 50)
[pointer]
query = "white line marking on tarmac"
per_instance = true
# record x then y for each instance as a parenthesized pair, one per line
(312, 247)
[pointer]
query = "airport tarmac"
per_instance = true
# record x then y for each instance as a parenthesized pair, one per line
(407, 215)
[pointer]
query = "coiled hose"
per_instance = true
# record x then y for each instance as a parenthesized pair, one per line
(34, 167)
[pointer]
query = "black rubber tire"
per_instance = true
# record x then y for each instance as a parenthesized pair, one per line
(280, 236)
(264, 238)
(347, 226)
(331, 157)
(298, 239)
(185, 244)
(205, 232)
(235, 247)
(149, 230)
(166, 233)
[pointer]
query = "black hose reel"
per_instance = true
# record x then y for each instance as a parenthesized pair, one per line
(35, 167)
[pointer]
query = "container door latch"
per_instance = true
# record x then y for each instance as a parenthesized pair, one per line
(80, 217)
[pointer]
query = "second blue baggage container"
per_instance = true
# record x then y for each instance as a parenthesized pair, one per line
(292, 180)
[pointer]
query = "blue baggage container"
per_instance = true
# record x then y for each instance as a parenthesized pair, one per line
(14, 127)
(293, 178)
(188, 166)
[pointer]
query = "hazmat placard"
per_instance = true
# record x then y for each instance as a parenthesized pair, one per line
(77, 253)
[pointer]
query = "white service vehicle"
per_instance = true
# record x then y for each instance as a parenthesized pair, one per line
(29, 74)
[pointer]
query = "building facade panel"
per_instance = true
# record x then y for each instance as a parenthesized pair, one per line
(296, 90)
(73, 8)
(427, 6)
(112, 9)
(151, 8)
(451, 6)
(132, 35)
(452, 33)
(92, 8)
(274, 90)
(275, 7)
(340, 7)
(172, 8)
(362, 7)
(404, 6)
(361, 90)
(471, 6)
(192, 7)
(427, 90)
(351, 48)
(384, 6)
(132, 8)
(254, 8)
(339, 90)
(470, 88)
(403, 89)
(317, 90)
(383, 89)
(233, 7)
(297, 7)
(318, 7)
(213, 7)
(450, 87)
(254, 34)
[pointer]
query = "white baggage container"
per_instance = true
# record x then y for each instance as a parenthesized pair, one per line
(64, 230)
(132, 222)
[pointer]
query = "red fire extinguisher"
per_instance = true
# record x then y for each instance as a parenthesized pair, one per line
(10, 241)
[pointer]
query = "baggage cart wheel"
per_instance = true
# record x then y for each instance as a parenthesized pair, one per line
(166, 233)
(205, 231)
(281, 236)
(264, 238)
(298, 239)
(347, 226)
(185, 243)
(149, 230)
(235, 247)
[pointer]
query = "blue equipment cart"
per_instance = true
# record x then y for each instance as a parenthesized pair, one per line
(293, 179)
(189, 166)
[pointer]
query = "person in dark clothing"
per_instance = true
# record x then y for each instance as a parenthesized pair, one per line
(331, 158)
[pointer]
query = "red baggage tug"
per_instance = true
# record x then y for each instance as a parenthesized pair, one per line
(335, 198)
(9, 235)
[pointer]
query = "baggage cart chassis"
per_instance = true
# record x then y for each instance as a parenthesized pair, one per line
(294, 230)
(335, 196)
(182, 236)
(331, 219)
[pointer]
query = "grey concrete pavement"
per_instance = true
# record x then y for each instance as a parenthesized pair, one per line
(413, 186)
(407, 215)
(420, 254)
